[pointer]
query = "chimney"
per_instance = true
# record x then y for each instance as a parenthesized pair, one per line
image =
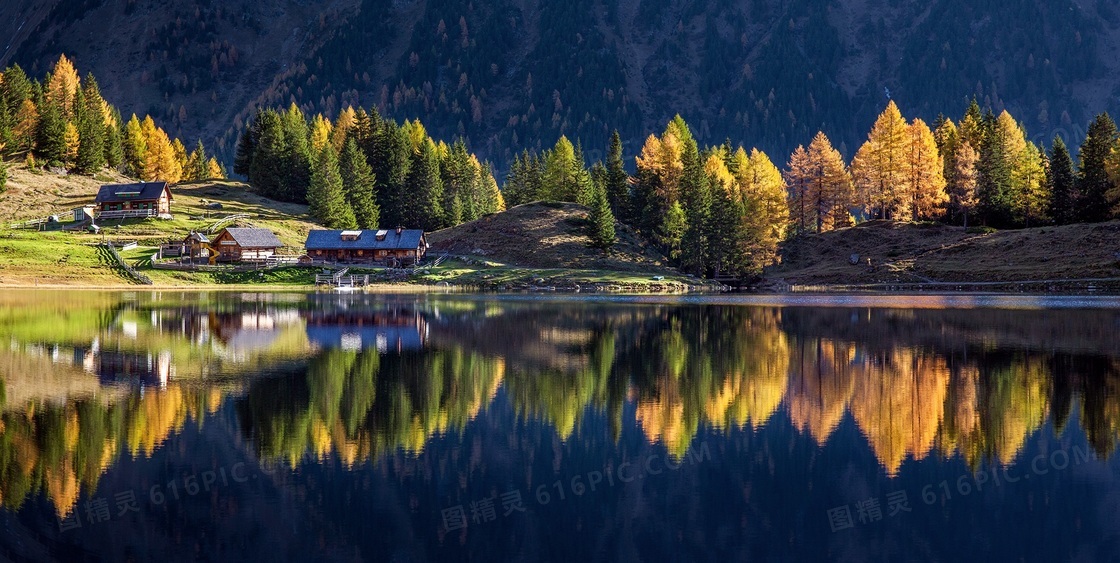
(399, 229)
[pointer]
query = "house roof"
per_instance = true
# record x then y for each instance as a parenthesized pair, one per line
(408, 239)
(112, 193)
(254, 238)
(196, 236)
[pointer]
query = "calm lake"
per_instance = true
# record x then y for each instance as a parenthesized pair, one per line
(294, 427)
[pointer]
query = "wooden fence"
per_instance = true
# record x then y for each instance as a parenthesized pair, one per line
(224, 221)
(126, 267)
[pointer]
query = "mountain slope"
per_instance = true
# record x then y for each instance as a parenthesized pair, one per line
(510, 74)
(545, 235)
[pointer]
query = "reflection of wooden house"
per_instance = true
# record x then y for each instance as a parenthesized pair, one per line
(354, 330)
(245, 245)
(147, 199)
(396, 247)
(142, 369)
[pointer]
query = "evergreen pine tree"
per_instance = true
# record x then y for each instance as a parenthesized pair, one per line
(601, 220)
(266, 173)
(1061, 183)
(423, 206)
(617, 180)
(1093, 182)
(246, 148)
(697, 202)
(519, 187)
(52, 135)
(358, 182)
(92, 117)
(198, 164)
(325, 198)
(390, 158)
(134, 148)
(993, 188)
(297, 156)
(114, 146)
(91, 141)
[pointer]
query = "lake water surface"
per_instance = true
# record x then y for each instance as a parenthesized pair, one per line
(294, 427)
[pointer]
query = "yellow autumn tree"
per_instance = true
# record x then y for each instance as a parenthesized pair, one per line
(830, 186)
(1028, 186)
(660, 159)
(26, 124)
(63, 86)
(962, 192)
(159, 160)
(181, 156)
(925, 176)
(342, 125)
(320, 133)
(71, 140)
(763, 191)
(214, 170)
(879, 166)
(799, 178)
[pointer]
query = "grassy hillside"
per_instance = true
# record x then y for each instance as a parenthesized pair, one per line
(545, 235)
(544, 244)
(939, 253)
(29, 257)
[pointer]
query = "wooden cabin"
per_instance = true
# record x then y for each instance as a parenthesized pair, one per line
(398, 247)
(196, 245)
(146, 199)
(235, 244)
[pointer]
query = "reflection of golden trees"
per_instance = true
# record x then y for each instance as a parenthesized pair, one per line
(359, 405)
(898, 401)
(821, 385)
(60, 450)
(725, 368)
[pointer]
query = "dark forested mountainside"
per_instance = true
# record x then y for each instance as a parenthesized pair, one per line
(514, 74)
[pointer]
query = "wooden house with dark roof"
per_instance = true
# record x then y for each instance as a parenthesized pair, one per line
(235, 244)
(145, 199)
(398, 247)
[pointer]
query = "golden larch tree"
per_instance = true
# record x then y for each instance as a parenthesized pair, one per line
(320, 133)
(925, 185)
(1028, 186)
(962, 195)
(341, 129)
(661, 158)
(72, 140)
(799, 178)
(879, 167)
(159, 160)
(831, 185)
(764, 194)
(214, 170)
(26, 124)
(63, 86)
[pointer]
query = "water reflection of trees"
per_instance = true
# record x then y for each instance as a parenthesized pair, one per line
(59, 449)
(361, 404)
(914, 383)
